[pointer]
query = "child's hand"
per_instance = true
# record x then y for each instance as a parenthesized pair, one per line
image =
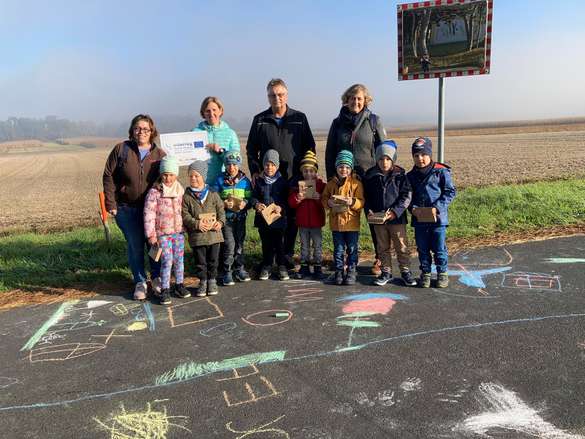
(370, 214)
(390, 215)
(152, 240)
(204, 226)
(300, 196)
(243, 205)
(349, 201)
(415, 212)
(260, 207)
(277, 209)
(228, 204)
(216, 226)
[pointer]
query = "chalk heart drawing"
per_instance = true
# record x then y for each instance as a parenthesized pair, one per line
(146, 424)
(505, 410)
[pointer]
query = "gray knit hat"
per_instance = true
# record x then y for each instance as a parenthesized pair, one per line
(199, 166)
(271, 156)
(386, 148)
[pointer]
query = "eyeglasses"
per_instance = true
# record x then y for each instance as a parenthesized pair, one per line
(142, 130)
(274, 95)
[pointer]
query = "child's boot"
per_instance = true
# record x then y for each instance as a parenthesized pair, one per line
(317, 271)
(338, 277)
(212, 287)
(181, 291)
(384, 278)
(424, 280)
(202, 289)
(165, 296)
(407, 278)
(442, 280)
(304, 271)
(283, 273)
(351, 276)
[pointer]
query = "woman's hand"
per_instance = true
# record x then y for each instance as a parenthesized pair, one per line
(214, 147)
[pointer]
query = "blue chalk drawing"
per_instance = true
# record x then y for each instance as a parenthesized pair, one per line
(474, 278)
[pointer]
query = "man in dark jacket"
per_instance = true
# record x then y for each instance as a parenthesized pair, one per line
(287, 131)
(388, 194)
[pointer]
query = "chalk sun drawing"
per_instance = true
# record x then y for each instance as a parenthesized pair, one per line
(147, 424)
(506, 410)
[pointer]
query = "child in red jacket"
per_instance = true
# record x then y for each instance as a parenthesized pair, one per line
(310, 215)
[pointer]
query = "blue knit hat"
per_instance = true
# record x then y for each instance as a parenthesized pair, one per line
(344, 157)
(386, 148)
(271, 156)
(232, 158)
(422, 145)
(169, 165)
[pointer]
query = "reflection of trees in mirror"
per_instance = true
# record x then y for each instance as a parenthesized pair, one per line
(444, 37)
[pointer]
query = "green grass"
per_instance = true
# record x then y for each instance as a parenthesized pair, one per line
(83, 258)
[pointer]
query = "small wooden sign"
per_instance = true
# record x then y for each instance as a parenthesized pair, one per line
(155, 252)
(236, 201)
(207, 218)
(308, 188)
(426, 214)
(341, 205)
(270, 214)
(377, 218)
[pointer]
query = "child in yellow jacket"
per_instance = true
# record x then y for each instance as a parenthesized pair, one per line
(344, 197)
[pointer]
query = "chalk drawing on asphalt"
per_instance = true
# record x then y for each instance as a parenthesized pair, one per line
(137, 326)
(304, 295)
(411, 385)
(268, 391)
(271, 317)
(110, 335)
(259, 430)
(384, 398)
(532, 281)
(56, 317)
(214, 331)
(63, 352)
(203, 306)
(565, 260)
(475, 278)
(504, 410)
(145, 424)
(6, 382)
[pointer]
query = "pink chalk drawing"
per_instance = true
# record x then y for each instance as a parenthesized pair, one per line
(532, 281)
(370, 306)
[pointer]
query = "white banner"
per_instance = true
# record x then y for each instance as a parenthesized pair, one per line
(186, 147)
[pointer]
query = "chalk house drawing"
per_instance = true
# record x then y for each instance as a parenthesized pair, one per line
(532, 281)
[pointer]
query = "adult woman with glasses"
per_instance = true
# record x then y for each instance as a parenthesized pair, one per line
(131, 169)
(222, 139)
(360, 131)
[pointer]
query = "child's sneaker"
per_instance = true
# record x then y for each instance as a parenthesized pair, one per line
(242, 275)
(227, 279)
(408, 279)
(442, 280)
(283, 273)
(425, 280)
(140, 291)
(165, 296)
(351, 276)
(202, 289)
(303, 272)
(156, 285)
(338, 277)
(317, 271)
(383, 279)
(212, 287)
(181, 291)
(264, 273)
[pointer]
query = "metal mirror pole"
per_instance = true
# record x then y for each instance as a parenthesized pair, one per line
(441, 128)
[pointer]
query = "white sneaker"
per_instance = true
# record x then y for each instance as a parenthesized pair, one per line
(140, 291)
(156, 284)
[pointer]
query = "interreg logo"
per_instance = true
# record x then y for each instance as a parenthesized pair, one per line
(198, 144)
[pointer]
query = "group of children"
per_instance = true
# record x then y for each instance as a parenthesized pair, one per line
(212, 214)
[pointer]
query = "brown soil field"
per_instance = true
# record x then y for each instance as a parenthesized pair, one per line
(45, 189)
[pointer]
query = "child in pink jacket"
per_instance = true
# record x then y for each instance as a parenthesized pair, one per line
(163, 226)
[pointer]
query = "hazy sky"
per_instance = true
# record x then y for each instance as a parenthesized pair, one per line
(108, 60)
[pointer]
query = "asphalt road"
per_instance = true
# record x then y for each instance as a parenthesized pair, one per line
(498, 354)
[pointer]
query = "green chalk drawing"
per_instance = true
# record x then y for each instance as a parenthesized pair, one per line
(190, 370)
(57, 315)
(281, 314)
(357, 314)
(358, 323)
(565, 260)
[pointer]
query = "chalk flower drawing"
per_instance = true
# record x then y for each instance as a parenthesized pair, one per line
(505, 410)
(148, 424)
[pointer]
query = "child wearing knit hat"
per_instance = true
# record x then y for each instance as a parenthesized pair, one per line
(310, 215)
(271, 188)
(203, 217)
(344, 197)
(388, 194)
(163, 227)
(432, 191)
(235, 189)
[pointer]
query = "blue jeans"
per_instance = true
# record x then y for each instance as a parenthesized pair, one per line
(431, 239)
(345, 242)
(131, 221)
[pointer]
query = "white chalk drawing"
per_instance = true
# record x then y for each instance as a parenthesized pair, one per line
(505, 410)
(6, 382)
(384, 398)
(532, 281)
(411, 385)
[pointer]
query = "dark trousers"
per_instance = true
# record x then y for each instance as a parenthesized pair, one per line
(290, 233)
(374, 240)
(206, 261)
(272, 245)
(234, 234)
(432, 239)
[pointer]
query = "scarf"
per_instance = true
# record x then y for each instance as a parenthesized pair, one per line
(350, 118)
(173, 191)
(271, 180)
(423, 172)
(232, 181)
(200, 195)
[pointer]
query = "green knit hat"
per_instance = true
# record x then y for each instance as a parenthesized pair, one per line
(344, 157)
(169, 165)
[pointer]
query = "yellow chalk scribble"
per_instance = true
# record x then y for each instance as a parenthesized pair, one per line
(137, 326)
(149, 424)
(259, 430)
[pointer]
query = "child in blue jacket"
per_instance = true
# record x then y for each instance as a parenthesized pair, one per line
(431, 187)
(234, 187)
